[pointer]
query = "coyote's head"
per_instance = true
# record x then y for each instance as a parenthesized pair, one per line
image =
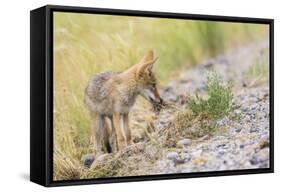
(147, 84)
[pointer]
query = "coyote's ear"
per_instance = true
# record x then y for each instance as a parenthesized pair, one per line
(146, 67)
(147, 57)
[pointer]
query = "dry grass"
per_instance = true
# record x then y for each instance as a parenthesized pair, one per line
(185, 124)
(66, 168)
(134, 160)
(85, 44)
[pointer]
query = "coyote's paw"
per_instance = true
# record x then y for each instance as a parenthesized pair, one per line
(121, 146)
(130, 142)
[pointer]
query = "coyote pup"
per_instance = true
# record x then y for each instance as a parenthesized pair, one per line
(110, 96)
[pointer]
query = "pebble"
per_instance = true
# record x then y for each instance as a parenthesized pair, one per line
(87, 160)
(187, 157)
(172, 155)
(184, 143)
(253, 129)
(238, 129)
(179, 161)
(222, 122)
(254, 160)
(265, 136)
(254, 106)
(245, 109)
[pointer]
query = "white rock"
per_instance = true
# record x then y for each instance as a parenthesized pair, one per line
(88, 159)
(172, 155)
(184, 143)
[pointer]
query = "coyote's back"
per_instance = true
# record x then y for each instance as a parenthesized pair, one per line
(97, 93)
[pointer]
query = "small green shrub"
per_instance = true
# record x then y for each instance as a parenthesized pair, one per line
(219, 97)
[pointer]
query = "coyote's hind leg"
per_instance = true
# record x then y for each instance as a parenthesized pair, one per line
(109, 135)
(112, 136)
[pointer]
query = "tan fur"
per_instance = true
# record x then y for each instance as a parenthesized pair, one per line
(110, 97)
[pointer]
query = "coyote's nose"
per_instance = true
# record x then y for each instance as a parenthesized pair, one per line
(157, 100)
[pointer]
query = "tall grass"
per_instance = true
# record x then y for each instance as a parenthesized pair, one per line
(259, 70)
(85, 44)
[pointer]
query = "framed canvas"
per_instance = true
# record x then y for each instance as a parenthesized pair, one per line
(123, 95)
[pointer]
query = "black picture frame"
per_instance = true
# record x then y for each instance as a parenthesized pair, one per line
(41, 93)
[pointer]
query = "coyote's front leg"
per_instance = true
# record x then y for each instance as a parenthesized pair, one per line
(127, 129)
(119, 128)
(97, 128)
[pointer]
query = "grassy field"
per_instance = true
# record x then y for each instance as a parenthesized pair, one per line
(86, 44)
